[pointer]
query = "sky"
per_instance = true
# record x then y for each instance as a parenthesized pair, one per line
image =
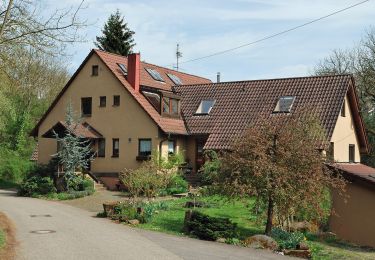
(208, 26)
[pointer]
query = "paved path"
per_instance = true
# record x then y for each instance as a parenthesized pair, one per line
(79, 235)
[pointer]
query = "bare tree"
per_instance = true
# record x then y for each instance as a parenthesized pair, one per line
(22, 24)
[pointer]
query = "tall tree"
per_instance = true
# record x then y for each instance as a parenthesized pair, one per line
(277, 161)
(75, 151)
(359, 61)
(117, 37)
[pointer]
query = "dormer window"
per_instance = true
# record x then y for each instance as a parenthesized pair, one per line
(155, 75)
(205, 107)
(170, 106)
(284, 104)
(176, 80)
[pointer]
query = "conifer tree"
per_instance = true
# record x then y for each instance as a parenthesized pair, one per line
(75, 151)
(117, 37)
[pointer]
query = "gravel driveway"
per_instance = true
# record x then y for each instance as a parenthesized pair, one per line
(77, 234)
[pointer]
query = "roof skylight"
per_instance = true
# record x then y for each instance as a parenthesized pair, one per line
(123, 68)
(205, 107)
(284, 104)
(155, 75)
(176, 80)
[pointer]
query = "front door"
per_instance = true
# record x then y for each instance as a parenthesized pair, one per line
(199, 156)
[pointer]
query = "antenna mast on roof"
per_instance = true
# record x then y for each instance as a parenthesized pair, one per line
(178, 54)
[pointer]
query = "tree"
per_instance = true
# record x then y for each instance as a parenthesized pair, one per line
(75, 151)
(277, 161)
(22, 24)
(117, 37)
(359, 61)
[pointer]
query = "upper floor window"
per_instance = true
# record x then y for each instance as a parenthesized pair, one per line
(94, 70)
(116, 100)
(115, 147)
(176, 80)
(86, 106)
(155, 75)
(102, 101)
(170, 106)
(205, 107)
(343, 109)
(284, 104)
(101, 147)
(351, 153)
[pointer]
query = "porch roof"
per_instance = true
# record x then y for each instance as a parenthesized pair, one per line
(83, 130)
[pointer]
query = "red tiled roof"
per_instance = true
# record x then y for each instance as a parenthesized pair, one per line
(146, 79)
(238, 104)
(82, 130)
(168, 125)
(358, 170)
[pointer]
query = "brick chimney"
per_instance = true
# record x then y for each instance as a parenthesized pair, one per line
(134, 70)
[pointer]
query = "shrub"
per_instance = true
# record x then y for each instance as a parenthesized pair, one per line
(70, 195)
(37, 185)
(210, 228)
(287, 240)
(177, 185)
(210, 169)
(13, 167)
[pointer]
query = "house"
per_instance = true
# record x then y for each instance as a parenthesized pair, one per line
(131, 108)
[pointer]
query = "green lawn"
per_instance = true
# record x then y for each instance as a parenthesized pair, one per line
(171, 221)
(2, 238)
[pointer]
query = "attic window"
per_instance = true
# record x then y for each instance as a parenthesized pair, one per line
(153, 98)
(176, 80)
(205, 107)
(123, 68)
(284, 104)
(155, 75)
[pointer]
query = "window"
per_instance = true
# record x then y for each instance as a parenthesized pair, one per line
(94, 70)
(284, 104)
(86, 103)
(155, 75)
(101, 147)
(103, 101)
(166, 105)
(205, 107)
(171, 147)
(123, 68)
(351, 153)
(331, 152)
(144, 148)
(343, 109)
(115, 147)
(116, 100)
(170, 106)
(153, 98)
(176, 80)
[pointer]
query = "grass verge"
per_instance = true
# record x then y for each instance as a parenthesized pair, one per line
(171, 221)
(7, 238)
(65, 195)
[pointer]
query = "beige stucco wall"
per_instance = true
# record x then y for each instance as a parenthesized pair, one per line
(354, 220)
(343, 135)
(128, 122)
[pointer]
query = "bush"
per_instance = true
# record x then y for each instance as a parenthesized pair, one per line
(176, 185)
(13, 167)
(210, 228)
(37, 185)
(210, 169)
(287, 240)
(70, 195)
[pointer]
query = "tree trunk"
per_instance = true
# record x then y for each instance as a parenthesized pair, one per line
(269, 216)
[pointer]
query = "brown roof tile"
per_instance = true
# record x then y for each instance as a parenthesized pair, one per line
(239, 104)
(358, 170)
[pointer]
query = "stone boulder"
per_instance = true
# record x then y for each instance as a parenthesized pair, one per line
(133, 222)
(261, 242)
